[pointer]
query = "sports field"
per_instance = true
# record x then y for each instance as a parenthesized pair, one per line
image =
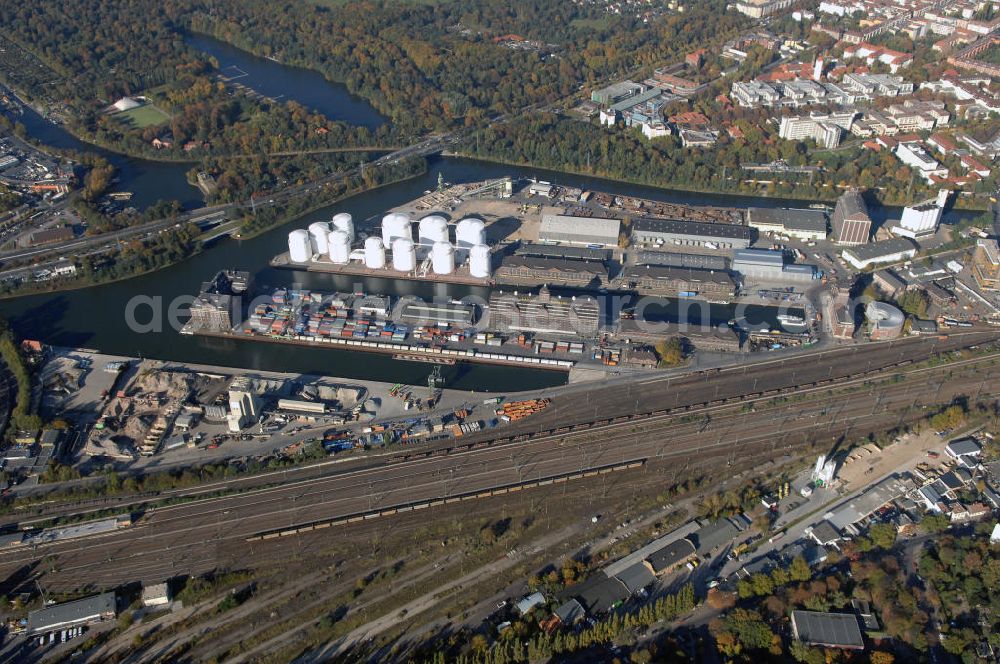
(144, 116)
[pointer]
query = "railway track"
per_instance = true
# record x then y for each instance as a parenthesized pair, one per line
(188, 537)
(695, 387)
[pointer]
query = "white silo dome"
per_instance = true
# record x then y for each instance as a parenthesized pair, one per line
(374, 254)
(344, 222)
(443, 258)
(319, 231)
(432, 229)
(299, 246)
(340, 247)
(479, 261)
(404, 258)
(395, 225)
(470, 232)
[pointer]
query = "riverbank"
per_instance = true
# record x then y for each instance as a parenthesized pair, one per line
(672, 186)
(72, 284)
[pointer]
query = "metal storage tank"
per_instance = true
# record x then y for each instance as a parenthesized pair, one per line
(340, 247)
(299, 246)
(374, 254)
(319, 231)
(443, 258)
(432, 229)
(344, 222)
(395, 225)
(469, 232)
(479, 261)
(404, 257)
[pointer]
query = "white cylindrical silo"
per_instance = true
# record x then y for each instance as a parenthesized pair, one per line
(374, 254)
(395, 225)
(340, 247)
(344, 222)
(479, 261)
(443, 258)
(469, 232)
(404, 257)
(318, 232)
(299, 246)
(432, 229)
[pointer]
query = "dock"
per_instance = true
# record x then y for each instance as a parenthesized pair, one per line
(460, 276)
(405, 351)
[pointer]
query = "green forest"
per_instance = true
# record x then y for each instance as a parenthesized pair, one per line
(562, 143)
(425, 66)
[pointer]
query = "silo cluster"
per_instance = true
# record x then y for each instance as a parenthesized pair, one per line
(335, 239)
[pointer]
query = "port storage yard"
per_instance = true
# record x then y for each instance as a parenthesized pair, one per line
(647, 432)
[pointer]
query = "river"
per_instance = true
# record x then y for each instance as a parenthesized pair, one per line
(282, 82)
(149, 181)
(96, 317)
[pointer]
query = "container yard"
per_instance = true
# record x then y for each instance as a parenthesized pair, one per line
(408, 328)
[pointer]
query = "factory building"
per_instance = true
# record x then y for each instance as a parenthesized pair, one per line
(885, 320)
(676, 259)
(851, 223)
(923, 218)
(676, 281)
(558, 251)
(86, 611)
(217, 305)
(244, 405)
(661, 232)
(616, 92)
(843, 316)
(533, 270)
(445, 313)
(986, 265)
(765, 265)
(796, 223)
(886, 251)
(299, 406)
(567, 229)
(544, 313)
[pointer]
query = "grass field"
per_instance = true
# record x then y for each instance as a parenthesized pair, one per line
(144, 116)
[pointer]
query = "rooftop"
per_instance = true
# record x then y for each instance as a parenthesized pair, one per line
(875, 250)
(791, 218)
(678, 227)
(670, 555)
(71, 613)
(836, 630)
(580, 226)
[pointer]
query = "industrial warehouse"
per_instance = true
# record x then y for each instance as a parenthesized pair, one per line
(659, 232)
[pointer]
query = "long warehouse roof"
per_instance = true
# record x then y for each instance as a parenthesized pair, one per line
(696, 228)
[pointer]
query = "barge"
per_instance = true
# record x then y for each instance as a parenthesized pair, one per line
(409, 329)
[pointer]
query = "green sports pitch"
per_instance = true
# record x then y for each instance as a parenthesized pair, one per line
(147, 115)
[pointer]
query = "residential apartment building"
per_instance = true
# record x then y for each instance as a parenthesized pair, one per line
(762, 8)
(826, 130)
(917, 157)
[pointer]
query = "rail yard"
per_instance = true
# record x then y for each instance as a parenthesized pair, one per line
(661, 427)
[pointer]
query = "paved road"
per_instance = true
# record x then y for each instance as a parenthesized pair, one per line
(199, 536)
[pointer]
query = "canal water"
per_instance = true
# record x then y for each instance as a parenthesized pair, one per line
(149, 181)
(281, 82)
(96, 317)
